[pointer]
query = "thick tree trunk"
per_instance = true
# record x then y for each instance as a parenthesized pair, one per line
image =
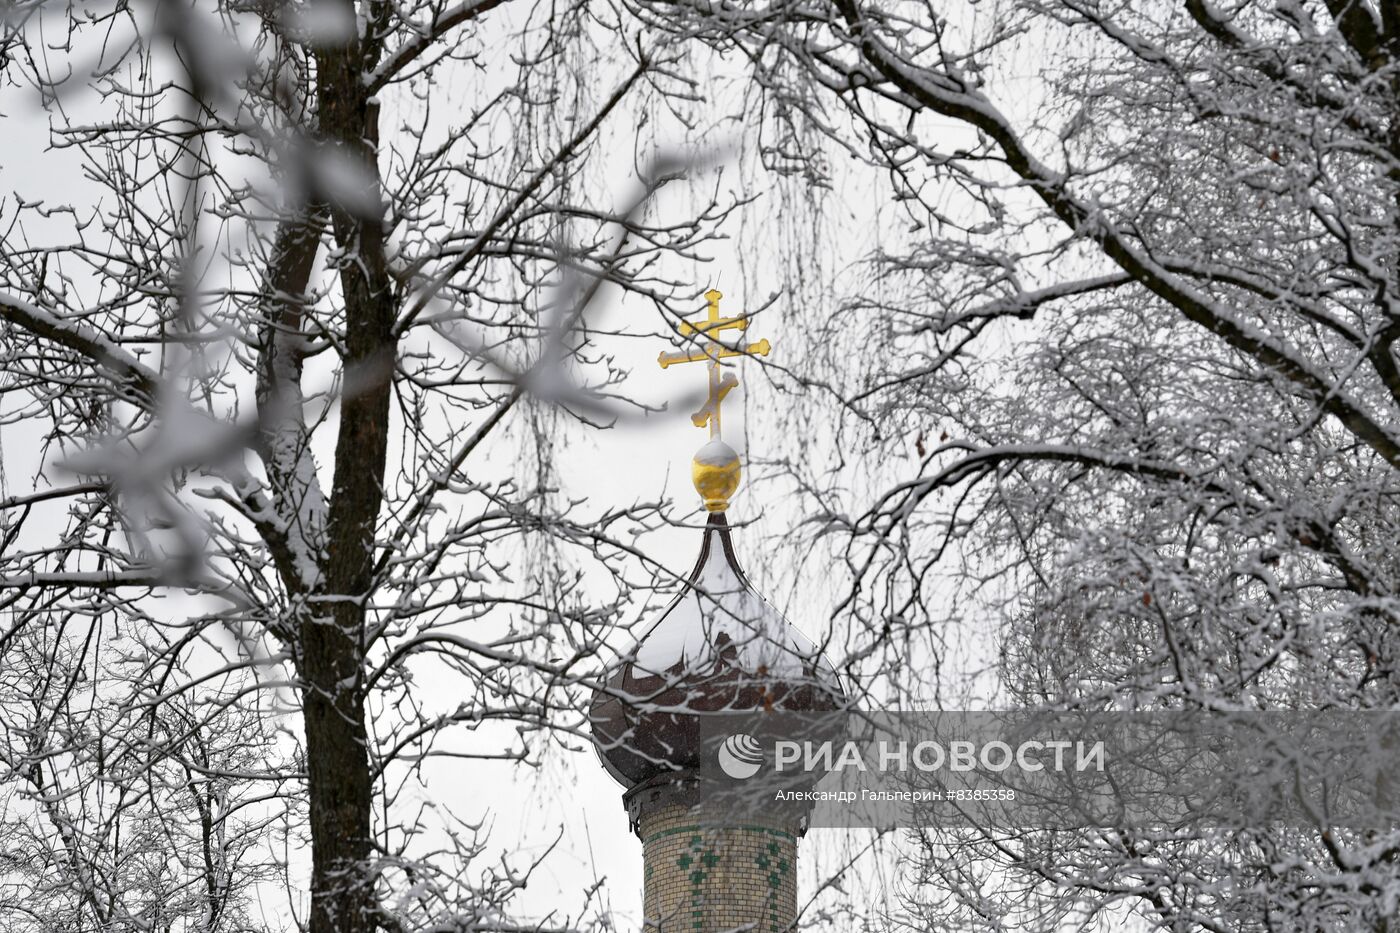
(333, 634)
(338, 775)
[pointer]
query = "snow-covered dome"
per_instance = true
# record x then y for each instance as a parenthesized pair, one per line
(718, 647)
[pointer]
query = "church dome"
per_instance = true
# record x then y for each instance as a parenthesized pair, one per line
(718, 647)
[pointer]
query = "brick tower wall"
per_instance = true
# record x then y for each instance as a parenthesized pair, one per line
(703, 876)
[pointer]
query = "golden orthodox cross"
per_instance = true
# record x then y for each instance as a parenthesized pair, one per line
(712, 350)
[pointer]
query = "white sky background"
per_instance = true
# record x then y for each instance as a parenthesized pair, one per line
(570, 803)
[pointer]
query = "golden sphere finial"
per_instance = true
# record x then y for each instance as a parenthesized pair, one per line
(715, 472)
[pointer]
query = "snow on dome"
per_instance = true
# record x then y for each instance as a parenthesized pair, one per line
(719, 646)
(720, 617)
